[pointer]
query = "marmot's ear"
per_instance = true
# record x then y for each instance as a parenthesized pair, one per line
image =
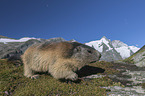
(77, 49)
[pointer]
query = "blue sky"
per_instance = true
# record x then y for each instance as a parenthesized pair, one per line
(82, 20)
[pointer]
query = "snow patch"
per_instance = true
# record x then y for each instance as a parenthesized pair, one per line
(124, 51)
(134, 49)
(5, 40)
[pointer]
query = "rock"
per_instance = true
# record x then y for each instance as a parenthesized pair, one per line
(7, 93)
(131, 77)
(141, 63)
(110, 55)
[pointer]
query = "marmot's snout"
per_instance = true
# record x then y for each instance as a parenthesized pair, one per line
(96, 56)
(99, 55)
(92, 55)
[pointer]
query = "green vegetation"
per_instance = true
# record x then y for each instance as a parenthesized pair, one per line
(12, 82)
(143, 85)
(129, 60)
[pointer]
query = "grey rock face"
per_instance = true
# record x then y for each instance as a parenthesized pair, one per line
(110, 55)
(141, 63)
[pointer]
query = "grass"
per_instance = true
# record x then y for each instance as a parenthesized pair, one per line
(12, 82)
(143, 85)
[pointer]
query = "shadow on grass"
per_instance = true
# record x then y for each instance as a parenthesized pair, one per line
(89, 70)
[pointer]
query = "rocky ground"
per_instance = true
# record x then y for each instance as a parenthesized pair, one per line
(131, 76)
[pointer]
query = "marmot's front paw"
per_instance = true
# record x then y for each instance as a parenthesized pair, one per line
(72, 77)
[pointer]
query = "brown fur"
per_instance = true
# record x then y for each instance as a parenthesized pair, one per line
(60, 59)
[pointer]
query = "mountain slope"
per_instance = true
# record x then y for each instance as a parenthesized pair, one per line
(137, 58)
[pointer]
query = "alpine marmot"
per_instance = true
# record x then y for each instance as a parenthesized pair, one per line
(60, 59)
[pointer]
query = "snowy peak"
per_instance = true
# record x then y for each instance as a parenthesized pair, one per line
(98, 44)
(104, 38)
(106, 43)
(116, 47)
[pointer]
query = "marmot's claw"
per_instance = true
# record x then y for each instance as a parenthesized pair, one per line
(75, 78)
(35, 77)
(72, 77)
(81, 79)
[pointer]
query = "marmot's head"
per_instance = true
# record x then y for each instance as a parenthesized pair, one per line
(85, 54)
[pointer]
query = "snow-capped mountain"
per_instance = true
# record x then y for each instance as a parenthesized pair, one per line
(103, 45)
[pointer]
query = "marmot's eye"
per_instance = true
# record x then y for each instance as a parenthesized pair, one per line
(89, 51)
